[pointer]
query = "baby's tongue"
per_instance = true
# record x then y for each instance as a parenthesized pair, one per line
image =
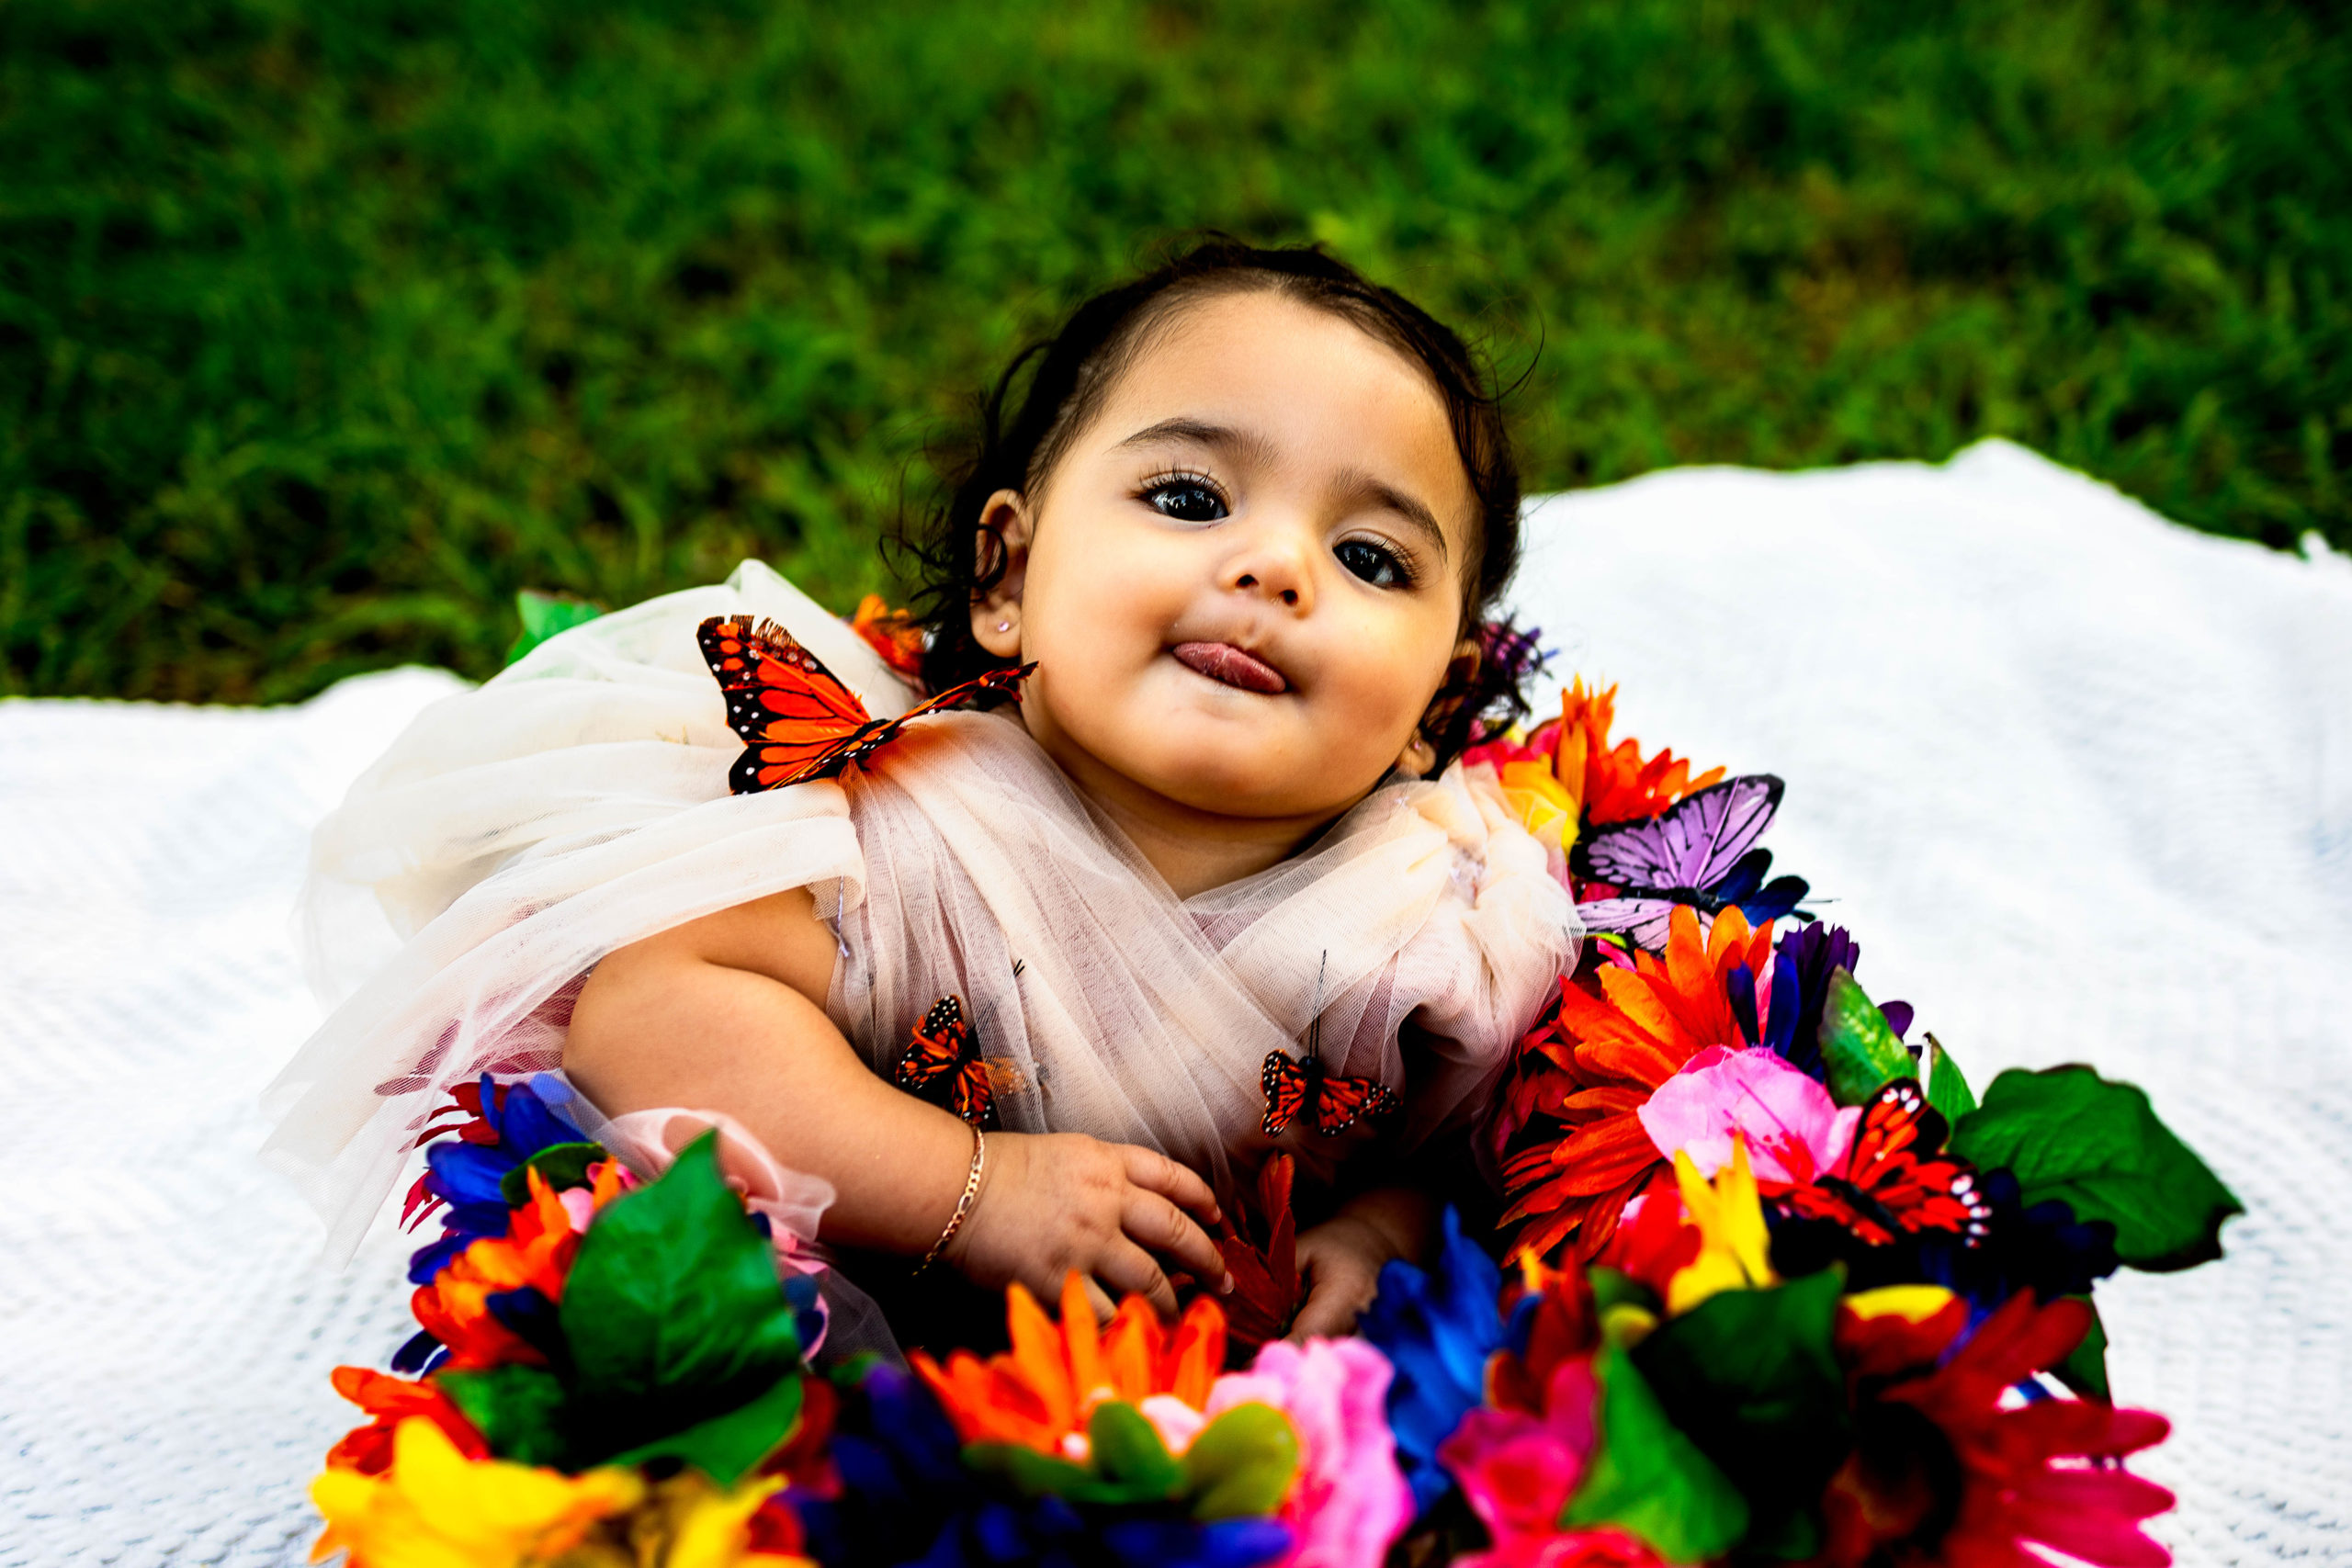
(1224, 662)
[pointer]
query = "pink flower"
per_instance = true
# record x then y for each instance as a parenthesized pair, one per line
(1792, 1128)
(1350, 1501)
(1518, 1471)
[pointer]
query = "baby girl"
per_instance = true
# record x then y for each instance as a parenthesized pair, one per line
(1212, 887)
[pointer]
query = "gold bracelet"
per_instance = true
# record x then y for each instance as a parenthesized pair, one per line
(964, 1204)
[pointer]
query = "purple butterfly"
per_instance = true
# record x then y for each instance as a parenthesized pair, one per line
(1700, 852)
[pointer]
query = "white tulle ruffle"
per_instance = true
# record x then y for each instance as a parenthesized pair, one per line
(516, 834)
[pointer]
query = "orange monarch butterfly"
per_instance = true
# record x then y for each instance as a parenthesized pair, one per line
(1893, 1178)
(796, 719)
(1292, 1085)
(943, 1065)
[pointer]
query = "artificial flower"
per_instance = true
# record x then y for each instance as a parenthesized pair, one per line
(1577, 1149)
(1267, 1290)
(499, 1129)
(433, 1508)
(905, 1496)
(1566, 776)
(1802, 964)
(1734, 1247)
(896, 635)
(390, 1401)
(1350, 1501)
(1945, 1470)
(1039, 1394)
(1519, 1469)
(1437, 1331)
(1792, 1129)
(691, 1521)
(464, 1308)
(1609, 784)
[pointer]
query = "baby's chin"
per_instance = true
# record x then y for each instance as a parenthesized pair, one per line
(1227, 775)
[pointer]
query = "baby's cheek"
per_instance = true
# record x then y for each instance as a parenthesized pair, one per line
(1374, 708)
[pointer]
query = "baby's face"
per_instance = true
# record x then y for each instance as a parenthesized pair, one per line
(1243, 583)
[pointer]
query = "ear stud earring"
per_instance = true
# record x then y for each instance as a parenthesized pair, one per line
(1004, 625)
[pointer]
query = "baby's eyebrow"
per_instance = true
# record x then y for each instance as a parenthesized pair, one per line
(1364, 486)
(1241, 444)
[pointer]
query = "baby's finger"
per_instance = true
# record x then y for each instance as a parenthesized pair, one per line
(1172, 1181)
(1100, 1300)
(1129, 1269)
(1159, 1226)
(1326, 1314)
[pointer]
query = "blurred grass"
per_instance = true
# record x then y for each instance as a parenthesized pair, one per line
(323, 330)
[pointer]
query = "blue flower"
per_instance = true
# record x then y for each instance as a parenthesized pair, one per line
(1438, 1332)
(510, 1124)
(907, 1499)
(1804, 961)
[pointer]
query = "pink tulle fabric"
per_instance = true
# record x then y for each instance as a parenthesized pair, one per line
(516, 834)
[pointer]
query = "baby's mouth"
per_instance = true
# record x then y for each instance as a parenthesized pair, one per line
(1223, 662)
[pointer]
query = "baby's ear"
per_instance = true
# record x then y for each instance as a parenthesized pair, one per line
(1444, 711)
(1000, 549)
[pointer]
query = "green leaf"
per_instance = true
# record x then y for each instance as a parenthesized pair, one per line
(1127, 1451)
(1241, 1464)
(560, 1165)
(1034, 1473)
(1751, 1378)
(2066, 1133)
(545, 615)
(1948, 1090)
(2084, 1371)
(517, 1409)
(1613, 1287)
(673, 1299)
(1649, 1479)
(1857, 1046)
(727, 1445)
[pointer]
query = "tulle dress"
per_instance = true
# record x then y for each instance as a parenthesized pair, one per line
(516, 834)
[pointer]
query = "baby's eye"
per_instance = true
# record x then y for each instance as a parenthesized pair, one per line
(1187, 501)
(1374, 565)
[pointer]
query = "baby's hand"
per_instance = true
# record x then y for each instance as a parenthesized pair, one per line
(1340, 1261)
(1055, 1201)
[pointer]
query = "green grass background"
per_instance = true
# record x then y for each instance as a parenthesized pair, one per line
(324, 329)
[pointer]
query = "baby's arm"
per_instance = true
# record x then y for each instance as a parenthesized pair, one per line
(726, 1013)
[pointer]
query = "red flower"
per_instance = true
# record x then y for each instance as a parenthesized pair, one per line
(1943, 1473)
(391, 1399)
(896, 635)
(1266, 1291)
(1569, 1123)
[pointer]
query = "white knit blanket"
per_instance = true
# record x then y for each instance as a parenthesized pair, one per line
(2081, 781)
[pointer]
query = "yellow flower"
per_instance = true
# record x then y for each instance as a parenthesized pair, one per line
(1912, 1304)
(1734, 1249)
(689, 1521)
(435, 1508)
(1544, 805)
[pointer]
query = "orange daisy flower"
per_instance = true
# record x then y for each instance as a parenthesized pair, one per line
(1569, 1128)
(391, 1400)
(1039, 1394)
(893, 634)
(536, 1251)
(1612, 785)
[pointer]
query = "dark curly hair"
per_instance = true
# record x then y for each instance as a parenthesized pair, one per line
(1053, 389)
